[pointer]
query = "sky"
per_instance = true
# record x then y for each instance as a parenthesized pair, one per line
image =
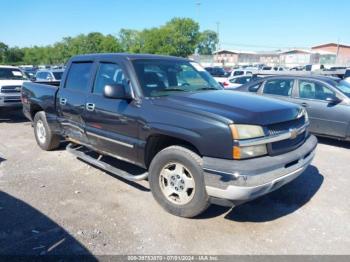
(243, 25)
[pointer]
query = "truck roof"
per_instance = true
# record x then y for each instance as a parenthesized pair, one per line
(127, 56)
(8, 66)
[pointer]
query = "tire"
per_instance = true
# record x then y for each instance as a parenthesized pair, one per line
(164, 181)
(43, 134)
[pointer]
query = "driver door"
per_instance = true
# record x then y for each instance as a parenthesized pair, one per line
(111, 124)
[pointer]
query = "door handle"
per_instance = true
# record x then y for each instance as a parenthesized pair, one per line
(304, 104)
(63, 101)
(90, 107)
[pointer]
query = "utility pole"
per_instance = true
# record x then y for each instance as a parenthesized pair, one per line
(336, 58)
(198, 5)
(218, 34)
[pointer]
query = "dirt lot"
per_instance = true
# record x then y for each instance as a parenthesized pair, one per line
(52, 203)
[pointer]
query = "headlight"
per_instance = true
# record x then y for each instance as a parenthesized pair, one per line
(249, 151)
(246, 131)
(241, 132)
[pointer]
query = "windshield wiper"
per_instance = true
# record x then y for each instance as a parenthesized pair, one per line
(207, 88)
(173, 89)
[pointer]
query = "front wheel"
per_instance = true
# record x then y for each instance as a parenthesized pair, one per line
(43, 134)
(177, 183)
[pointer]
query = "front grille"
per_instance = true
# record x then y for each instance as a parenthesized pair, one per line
(283, 127)
(12, 99)
(287, 145)
(10, 89)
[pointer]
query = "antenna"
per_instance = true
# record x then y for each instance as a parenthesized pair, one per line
(218, 34)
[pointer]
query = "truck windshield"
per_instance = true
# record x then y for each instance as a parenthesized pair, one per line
(11, 74)
(163, 77)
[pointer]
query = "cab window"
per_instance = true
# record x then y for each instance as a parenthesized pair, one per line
(78, 76)
(108, 74)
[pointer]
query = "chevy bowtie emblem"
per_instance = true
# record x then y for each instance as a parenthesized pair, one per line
(18, 88)
(293, 133)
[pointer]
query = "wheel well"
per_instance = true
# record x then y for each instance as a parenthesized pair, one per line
(156, 143)
(34, 108)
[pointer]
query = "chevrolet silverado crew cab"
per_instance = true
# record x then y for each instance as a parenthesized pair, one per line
(197, 143)
(11, 80)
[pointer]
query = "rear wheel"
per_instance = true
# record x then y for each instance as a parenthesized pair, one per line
(43, 134)
(177, 183)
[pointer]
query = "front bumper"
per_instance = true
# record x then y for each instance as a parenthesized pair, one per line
(10, 100)
(245, 180)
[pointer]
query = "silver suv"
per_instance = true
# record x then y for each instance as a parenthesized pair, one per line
(11, 80)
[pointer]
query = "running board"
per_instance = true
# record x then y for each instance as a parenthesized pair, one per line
(74, 149)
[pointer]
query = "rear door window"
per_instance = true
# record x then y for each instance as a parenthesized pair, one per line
(279, 87)
(79, 76)
(238, 73)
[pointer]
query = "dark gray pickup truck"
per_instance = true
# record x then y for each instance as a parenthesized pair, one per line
(197, 143)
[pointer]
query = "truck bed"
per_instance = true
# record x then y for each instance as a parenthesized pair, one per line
(41, 95)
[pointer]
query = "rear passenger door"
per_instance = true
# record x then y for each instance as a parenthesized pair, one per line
(111, 124)
(325, 118)
(71, 99)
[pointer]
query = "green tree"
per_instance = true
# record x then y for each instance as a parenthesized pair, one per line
(3, 50)
(178, 37)
(208, 41)
(14, 55)
(130, 40)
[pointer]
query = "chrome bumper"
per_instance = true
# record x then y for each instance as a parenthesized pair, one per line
(9, 100)
(257, 177)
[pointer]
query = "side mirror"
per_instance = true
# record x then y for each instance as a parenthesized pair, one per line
(115, 92)
(333, 100)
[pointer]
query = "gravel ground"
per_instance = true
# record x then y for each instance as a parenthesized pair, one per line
(53, 203)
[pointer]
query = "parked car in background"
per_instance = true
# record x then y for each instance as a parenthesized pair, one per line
(279, 68)
(49, 75)
(242, 72)
(220, 75)
(326, 99)
(197, 143)
(347, 75)
(29, 73)
(296, 68)
(11, 80)
(238, 81)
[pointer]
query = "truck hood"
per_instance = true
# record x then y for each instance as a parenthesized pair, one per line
(11, 82)
(233, 106)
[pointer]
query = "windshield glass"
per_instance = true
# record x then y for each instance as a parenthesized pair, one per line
(58, 75)
(163, 77)
(344, 87)
(11, 74)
